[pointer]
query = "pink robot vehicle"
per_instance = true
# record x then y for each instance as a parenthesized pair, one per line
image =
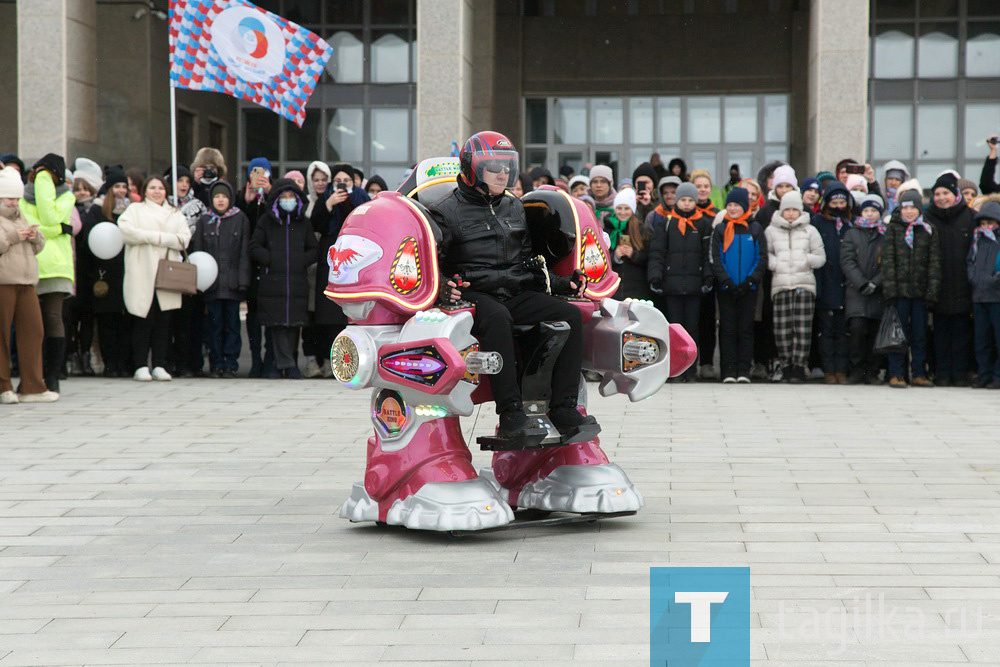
(426, 371)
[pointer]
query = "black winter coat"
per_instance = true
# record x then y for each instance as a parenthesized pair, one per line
(679, 260)
(982, 272)
(861, 262)
(907, 272)
(485, 239)
(953, 227)
(830, 293)
(284, 246)
(228, 241)
(99, 276)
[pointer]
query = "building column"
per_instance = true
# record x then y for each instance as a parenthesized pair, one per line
(838, 82)
(444, 75)
(56, 78)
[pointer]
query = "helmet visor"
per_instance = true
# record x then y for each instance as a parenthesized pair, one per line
(498, 168)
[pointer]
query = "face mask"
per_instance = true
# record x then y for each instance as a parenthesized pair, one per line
(288, 204)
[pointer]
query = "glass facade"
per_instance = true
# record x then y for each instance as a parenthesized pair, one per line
(362, 110)
(935, 82)
(709, 132)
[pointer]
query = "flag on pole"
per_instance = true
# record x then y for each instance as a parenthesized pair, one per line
(237, 48)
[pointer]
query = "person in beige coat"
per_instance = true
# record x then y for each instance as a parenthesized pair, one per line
(20, 241)
(794, 251)
(152, 230)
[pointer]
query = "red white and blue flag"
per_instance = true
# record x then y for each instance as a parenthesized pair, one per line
(237, 48)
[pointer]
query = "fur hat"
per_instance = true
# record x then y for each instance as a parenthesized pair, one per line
(626, 197)
(10, 183)
(209, 155)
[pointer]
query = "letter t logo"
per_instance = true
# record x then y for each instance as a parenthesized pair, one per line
(701, 611)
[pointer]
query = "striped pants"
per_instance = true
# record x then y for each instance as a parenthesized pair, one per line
(793, 318)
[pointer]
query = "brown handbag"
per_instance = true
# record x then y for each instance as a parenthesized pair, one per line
(179, 277)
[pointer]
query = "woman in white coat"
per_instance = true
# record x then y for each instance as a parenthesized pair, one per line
(152, 230)
(794, 250)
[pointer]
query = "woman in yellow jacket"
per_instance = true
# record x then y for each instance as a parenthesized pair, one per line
(48, 203)
(152, 230)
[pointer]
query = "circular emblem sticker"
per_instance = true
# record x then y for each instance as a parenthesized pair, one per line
(249, 43)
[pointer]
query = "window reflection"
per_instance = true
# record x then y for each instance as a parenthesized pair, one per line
(390, 135)
(347, 64)
(892, 131)
(893, 57)
(570, 120)
(390, 58)
(669, 127)
(982, 120)
(641, 120)
(776, 118)
(936, 130)
(607, 118)
(982, 50)
(703, 119)
(937, 51)
(741, 119)
(346, 133)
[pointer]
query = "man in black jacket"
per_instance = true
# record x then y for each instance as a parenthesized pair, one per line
(987, 182)
(486, 244)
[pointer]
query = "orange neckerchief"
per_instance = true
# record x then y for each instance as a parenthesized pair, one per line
(709, 210)
(662, 211)
(683, 223)
(730, 232)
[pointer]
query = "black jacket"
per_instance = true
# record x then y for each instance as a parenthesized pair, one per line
(861, 262)
(227, 239)
(678, 260)
(953, 227)
(284, 245)
(101, 281)
(485, 239)
(986, 183)
(982, 271)
(327, 224)
(913, 273)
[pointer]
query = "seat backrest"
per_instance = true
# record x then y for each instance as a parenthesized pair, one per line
(432, 180)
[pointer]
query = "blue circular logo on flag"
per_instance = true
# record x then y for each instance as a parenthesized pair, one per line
(250, 44)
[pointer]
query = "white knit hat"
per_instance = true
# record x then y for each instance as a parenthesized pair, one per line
(627, 197)
(579, 178)
(785, 174)
(89, 171)
(791, 200)
(602, 171)
(10, 183)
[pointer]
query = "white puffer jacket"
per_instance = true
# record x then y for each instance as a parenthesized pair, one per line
(794, 249)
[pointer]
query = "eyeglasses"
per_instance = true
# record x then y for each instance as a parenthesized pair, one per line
(497, 166)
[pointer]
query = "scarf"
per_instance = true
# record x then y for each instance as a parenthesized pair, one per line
(617, 227)
(840, 223)
(870, 224)
(989, 232)
(661, 211)
(730, 231)
(216, 217)
(29, 192)
(908, 236)
(684, 222)
(707, 210)
(890, 195)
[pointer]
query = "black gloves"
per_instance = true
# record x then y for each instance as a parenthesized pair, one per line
(656, 285)
(869, 289)
(66, 229)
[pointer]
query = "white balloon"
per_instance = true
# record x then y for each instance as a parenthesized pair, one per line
(105, 240)
(208, 269)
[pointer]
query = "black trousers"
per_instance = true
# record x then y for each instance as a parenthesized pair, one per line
(114, 334)
(736, 332)
(706, 330)
(286, 342)
(862, 339)
(151, 334)
(78, 320)
(832, 340)
(685, 310)
(952, 346)
(765, 345)
(493, 324)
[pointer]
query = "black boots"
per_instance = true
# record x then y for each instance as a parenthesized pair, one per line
(53, 354)
(573, 426)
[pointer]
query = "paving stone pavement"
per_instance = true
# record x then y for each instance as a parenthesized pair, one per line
(196, 522)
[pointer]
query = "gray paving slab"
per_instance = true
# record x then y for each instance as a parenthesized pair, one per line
(195, 522)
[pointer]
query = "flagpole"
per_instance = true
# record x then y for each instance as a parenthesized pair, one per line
(173, 141)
